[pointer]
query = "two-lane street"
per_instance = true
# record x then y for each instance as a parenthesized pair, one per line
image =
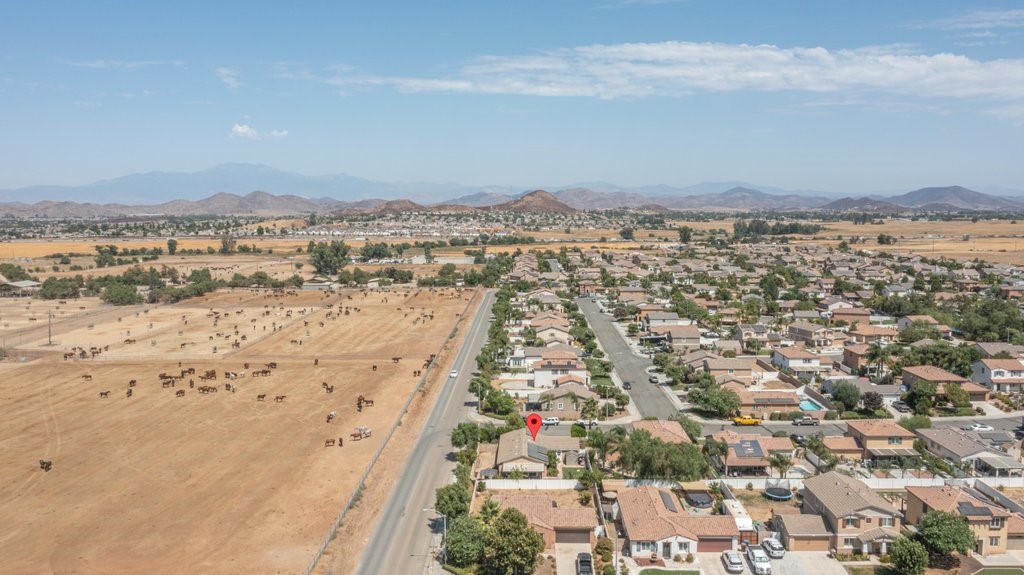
(649, 398)
(402, 540)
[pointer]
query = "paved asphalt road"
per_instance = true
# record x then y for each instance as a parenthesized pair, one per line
(649, 399)
(402, 540)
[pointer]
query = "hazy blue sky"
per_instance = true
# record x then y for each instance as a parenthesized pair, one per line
(845, 96)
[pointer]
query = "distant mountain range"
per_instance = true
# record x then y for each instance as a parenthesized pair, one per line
(261, 190)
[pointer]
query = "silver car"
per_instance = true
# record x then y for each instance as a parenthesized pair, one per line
(773, 548)
(732, 561)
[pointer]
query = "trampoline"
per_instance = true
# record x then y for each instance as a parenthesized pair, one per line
(778, 490)
(778, 493)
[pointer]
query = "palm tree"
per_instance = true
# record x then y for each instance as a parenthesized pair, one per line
(877, 354)
(489, 510)
(782, 462)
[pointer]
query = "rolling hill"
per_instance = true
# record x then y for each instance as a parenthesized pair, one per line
(956, 197)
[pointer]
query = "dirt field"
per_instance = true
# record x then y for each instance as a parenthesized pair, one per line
(217, 482)
(20, 313)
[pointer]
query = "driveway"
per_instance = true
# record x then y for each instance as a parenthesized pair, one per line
(795, 563)
(565, 556)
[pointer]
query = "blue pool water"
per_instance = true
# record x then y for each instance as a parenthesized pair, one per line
(808, 405)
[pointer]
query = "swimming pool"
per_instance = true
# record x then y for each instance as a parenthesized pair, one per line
(808, 405)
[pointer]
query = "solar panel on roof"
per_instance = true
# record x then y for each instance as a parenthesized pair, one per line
(748, 448)
(968, 509)
(666, 498)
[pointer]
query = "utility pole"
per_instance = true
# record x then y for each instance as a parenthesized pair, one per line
(49, 328)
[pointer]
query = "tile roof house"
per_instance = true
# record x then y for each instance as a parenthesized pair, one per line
(988, 522)
(796, 359)
(994, 452)
(517, 451)
(881, 438)
(556, 524)
(999, 374)
(666, 430)
(655, 524)
(556, 364)
(800, 532)
(812, 334)
(750, 454)
(859, 519)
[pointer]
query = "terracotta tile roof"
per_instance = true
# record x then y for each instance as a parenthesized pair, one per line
(543, 511)
(804, 524)
(841, 443)
(667, 431)
(843, 495)
(946, 498)
(647, 517)
(932, 373)
(878, 428)
(1007, 364)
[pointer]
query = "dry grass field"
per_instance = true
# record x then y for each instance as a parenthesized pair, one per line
(206, 482)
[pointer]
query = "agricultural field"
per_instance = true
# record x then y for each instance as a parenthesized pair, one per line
(172, 480)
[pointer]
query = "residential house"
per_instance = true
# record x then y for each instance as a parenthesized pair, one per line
(554, 366)
(556, 524)
(943, 378)
(666, 430)
(762, 404)
(860, 520)
(873, 333)
(680, 337)
(992, 348)
(797, 360)
(803, 532)
(812, 334)
(748, 453)
(843, 447)
(999, 374)
(852, 316)
(518, 452)
(992, 453)
(906, 321)
(988, 522)
(881, 438)
(661, 318)
(656, 525)
(855, 357)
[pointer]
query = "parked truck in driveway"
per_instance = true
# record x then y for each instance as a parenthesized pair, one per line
(806, 420)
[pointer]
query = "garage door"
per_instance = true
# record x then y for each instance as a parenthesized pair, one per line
(566, 536)
(710, 545)
(808, 544)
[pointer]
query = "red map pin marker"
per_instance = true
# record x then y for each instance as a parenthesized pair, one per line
(533, 423)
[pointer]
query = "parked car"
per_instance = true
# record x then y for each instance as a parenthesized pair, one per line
(454, 374)
(626, 385)
(797, 439)
(759, 562)
(978, 427)
(773, 548)
(653, 379)
(901, 406)
(586, 422)
(746, 420)
(806, 420)
(732, 561)
(584, 564)
(552, 420)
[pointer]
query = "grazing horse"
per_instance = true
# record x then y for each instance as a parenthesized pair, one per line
(45, 464)
(129, 393)
(261, 397)
(316, 361)
(329, 443)
(179, 393)
(105, 393)
(279, 398)
(87, 377)
(375, 367)
(331, 416)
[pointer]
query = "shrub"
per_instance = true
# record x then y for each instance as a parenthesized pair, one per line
(606, 557)
(585, 498)
(851, 415)
(689, 557)
(608, 570)
(830, 415)
(603, 544)
(577, 430)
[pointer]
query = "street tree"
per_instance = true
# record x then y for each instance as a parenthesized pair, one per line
(465, 543)
(511, 546)
(452, 500)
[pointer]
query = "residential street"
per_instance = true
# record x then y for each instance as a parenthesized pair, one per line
(402, 541)
(649, 398)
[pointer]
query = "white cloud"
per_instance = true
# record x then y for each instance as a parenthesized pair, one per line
(977, 20)
(229, 76)
(247, 132)
(674, 69)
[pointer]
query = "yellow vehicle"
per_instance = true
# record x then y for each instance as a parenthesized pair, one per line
(746, 420)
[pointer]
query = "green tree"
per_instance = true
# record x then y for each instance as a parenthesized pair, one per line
(685, 234)
(452, 500)
(627, 233)
(919, 330)
(465, 542)
(944, 533)
(780, 462)
(877, 354)
(908, 556)
(511, 546)
(328, 258)
(121, 294)
(465, 435)
(172, 246)
(715, 400)
(691, 427)
(847, 393)
(590, 409)
(489, 511)
(227, 244)
(915, 422)
(956, 395)
(872, 400)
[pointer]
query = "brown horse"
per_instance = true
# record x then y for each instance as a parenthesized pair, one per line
(261, 397)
